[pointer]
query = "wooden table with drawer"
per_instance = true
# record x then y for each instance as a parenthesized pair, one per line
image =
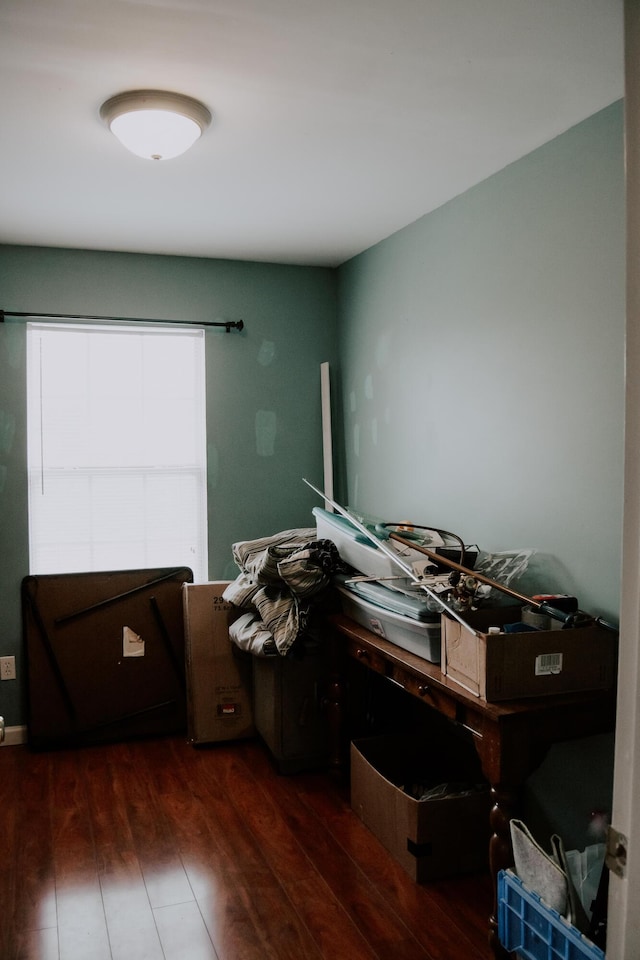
(510, 738)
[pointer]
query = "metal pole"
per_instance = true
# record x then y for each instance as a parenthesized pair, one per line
(579, 618)
(438, 558)
(227, 324)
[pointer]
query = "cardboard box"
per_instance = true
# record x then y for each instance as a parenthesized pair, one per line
(508, 666)
(288, 709)
(429, 838)
(218, 675)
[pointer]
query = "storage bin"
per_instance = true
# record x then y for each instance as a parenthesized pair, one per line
(407, 600)
(507, 666)
(417, 637)
(429, 838)
(359, 552)
(287, 708)
(533, 930)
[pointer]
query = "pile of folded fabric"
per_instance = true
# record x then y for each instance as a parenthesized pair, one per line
(282, 578)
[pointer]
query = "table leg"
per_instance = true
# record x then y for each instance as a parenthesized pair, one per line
(334, 704)
(500, 851)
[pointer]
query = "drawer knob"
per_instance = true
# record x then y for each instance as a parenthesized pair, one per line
(362, 654)
(423, 690)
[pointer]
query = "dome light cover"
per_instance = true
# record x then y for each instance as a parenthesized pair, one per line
(155, 124)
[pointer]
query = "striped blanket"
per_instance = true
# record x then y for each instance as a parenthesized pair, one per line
(281, 577)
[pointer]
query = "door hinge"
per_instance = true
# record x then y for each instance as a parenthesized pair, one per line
(616, 852)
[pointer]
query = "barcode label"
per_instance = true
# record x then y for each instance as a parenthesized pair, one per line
(547, 663)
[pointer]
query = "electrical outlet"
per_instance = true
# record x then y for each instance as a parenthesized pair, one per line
(7, 668)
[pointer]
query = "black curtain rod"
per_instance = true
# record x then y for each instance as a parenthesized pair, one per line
(227, 324)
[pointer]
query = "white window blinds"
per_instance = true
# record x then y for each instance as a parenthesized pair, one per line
(116, 448)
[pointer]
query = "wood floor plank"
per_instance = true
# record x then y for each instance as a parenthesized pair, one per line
(27, 884)
(9, 832)
(276, 925)
(328, 923)
(472, 894)
(230, 925)
(82, 927)
(429, 917)
(183, 933)
(230, 776)
(230, 922)
(238, 849)
(40, 944)
(368, 909)
(198, 832)
(35, 880)
(417, 903)
(164, 875)
(281, 932)
(130, 922)
(157, 850)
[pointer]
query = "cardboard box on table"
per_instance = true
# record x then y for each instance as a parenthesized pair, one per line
(507, 666)
(219, 694)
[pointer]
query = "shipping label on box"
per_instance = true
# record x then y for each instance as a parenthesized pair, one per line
(508, 666)
(218, 676)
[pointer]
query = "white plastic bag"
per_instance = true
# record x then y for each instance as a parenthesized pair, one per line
(585, 868)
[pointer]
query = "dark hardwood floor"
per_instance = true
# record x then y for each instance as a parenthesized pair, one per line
(156, 849)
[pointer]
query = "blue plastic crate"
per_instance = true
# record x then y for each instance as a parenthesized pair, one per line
(527, 926)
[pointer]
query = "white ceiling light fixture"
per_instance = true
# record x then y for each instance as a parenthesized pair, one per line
(155, 124)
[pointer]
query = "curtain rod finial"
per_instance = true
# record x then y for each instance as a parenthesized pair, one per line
(235, 324)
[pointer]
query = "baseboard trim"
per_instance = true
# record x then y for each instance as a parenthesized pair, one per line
(14, 736)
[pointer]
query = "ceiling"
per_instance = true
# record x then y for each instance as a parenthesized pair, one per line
(335, 122)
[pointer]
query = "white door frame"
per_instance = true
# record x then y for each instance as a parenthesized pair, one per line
(623, 929)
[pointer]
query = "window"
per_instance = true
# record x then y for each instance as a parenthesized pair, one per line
(116, 448)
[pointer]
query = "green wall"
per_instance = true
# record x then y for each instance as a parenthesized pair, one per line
(263, 391)
(481, 351)
(480, 373)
